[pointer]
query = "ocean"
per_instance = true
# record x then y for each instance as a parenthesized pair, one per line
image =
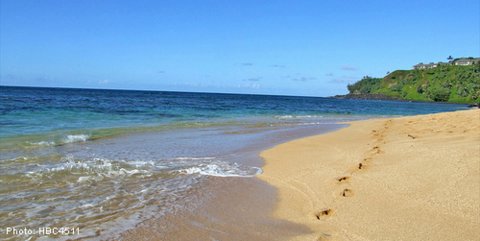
(110, 159)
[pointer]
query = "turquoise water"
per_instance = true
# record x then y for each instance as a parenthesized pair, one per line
(52, 116)
(76, 157)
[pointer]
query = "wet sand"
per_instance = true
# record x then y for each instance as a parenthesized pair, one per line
(238, 209)
(409, 178)
(229, 208)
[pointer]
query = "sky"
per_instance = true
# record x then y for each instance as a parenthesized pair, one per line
(280, 47)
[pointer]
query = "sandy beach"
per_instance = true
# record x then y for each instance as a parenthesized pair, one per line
(409, 178)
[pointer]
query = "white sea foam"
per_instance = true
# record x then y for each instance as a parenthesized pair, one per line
(309, 123)
(193, 158)
(281, 117)
(83, 179)
(95, 169)
(65, 140)
(42, 143)
(222, 170)
(76, 138)
(140, 163)
(74, 176)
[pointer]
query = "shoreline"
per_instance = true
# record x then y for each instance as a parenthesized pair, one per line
(230, 208)
(381, 97)
(406, 178)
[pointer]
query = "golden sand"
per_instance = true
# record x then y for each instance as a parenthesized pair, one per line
(409, 178)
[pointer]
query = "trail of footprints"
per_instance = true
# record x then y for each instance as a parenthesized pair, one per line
(343, 181)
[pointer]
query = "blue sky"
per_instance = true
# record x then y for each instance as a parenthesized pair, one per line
(312, 48)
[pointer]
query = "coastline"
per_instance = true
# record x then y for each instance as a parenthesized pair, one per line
(393, 98)
(192, 175)
(419, 179)
(230, 208)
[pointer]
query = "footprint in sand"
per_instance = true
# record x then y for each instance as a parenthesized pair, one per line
(347, 192)
(324, 213)
(343, 179)
(376, 150)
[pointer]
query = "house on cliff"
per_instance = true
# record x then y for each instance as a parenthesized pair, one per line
(465, 61)
(425, 66)
(457, 61)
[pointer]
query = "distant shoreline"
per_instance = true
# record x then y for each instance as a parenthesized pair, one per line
(391, 98)
(443, 83)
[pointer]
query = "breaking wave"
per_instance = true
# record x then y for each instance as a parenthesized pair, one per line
(223, 170)
(76, 138)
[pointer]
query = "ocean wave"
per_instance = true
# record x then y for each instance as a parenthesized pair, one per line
(58, 141)
(222, 170)
(92, 188)
(42, 143)
(96, 169)
(76, 138)
(282, 117)
(313, 123)
(193, 158)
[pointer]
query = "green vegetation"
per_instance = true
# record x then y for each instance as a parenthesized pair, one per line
(445, 83)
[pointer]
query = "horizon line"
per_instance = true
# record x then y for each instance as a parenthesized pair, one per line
(156, 90)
